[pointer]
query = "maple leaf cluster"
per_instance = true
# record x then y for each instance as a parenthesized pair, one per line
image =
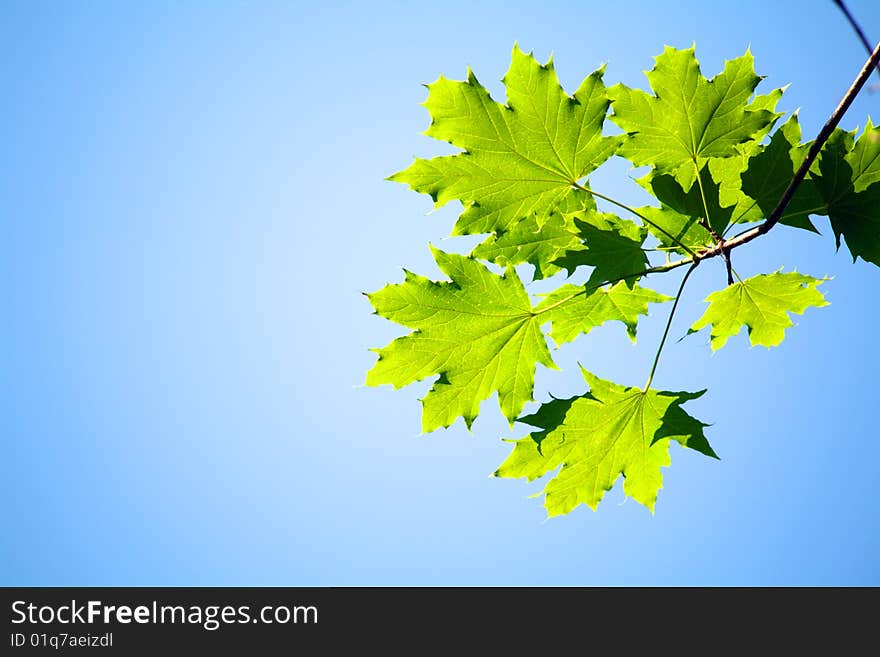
(717, 159)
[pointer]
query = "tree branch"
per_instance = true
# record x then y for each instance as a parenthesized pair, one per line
(858, 28)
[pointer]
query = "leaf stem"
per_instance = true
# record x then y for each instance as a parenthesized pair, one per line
(708, 225)
(669, 323)
(577, 185)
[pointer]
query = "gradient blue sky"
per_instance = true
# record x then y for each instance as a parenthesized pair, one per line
(193, 200)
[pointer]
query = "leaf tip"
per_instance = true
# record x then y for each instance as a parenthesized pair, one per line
(631, 332)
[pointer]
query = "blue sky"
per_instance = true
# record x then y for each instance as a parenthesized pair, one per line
(193, 202)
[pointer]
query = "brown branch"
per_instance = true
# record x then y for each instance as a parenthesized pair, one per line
(729, 265)
(858, 28)
(719, 241)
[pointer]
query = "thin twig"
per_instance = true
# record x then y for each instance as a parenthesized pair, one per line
(719, 241)
(729, 265)
(858, 28)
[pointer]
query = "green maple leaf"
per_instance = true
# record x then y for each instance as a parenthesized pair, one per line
(761, 304)
(701, 201)
(727, 170)
(540, 245)
(521, 159)
(609, 244)
(667, 224)
(479, 332)
(767, 102)
(856, 218)
(597, 437)
(849, 186)
(864, 158)
(689, 118)
(768, 173)
(576, 310)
